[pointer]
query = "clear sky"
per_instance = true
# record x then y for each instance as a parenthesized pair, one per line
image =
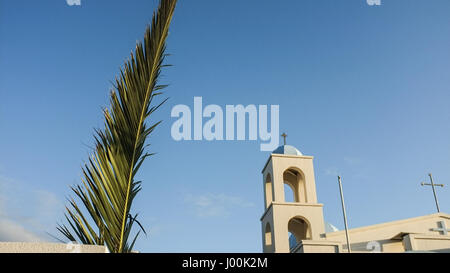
(364, 89)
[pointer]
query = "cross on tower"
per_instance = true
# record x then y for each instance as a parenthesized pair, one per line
(284, 137)
(442, 228)
(434, 191)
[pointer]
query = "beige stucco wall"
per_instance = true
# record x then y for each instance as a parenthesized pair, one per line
(422, 242)
(389, 240)
(277, 164)
(317, 246)
(278, 216)
(26, 247)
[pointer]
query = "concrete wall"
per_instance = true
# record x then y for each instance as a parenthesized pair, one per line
(393, 236)
(317, 246)
(22, 247)
(422, 242)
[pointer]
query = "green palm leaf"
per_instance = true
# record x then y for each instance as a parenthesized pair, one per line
(108, 185)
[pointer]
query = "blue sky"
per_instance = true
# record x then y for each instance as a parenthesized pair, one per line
(364, 89)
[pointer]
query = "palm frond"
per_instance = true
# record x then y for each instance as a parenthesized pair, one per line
(108, 186)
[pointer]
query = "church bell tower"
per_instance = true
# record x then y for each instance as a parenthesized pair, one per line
(292, 220)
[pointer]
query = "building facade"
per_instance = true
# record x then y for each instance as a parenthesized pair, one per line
(297, 225)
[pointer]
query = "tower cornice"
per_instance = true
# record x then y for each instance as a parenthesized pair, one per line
(285, 156)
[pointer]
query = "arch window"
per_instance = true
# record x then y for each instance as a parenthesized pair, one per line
(298, 229)
(268, 189)
(294, 186)
(268, 236)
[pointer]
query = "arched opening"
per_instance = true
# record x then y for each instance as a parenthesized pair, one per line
(289, 194)
(268, 236)
(294, 189)
(299, 229)
(268, 190)
(292, 241)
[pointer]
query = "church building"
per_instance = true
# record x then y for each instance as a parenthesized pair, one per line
(298, 226)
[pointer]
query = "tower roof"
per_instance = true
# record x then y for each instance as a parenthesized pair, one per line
(287, 150)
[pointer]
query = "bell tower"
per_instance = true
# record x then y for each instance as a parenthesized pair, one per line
(292, 223)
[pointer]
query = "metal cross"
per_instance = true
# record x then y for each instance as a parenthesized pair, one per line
(284, 136)
(442, 228)
(434, 191)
